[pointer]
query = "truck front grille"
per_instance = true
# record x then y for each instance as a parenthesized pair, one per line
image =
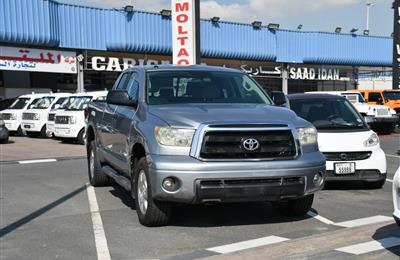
(63, 120)
(5, 116)
(273, 144)
(347, 156)
(28, 116)
(382, 112)
(51, 117)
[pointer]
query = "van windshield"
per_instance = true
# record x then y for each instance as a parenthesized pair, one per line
(177, 87)
(328, 114)
(41, 103)
(78, 103)
(59, 102)
(20, 103)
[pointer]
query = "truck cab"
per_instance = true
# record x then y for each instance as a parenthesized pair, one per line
(200, 134)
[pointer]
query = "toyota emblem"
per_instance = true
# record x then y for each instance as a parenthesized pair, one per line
(343, 156)
(251, 144)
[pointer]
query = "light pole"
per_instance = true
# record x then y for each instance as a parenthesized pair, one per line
(369, 5)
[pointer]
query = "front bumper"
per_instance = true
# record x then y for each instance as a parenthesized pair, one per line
(65, 131)
(202, 182)
(392, 119)
(32, 125)
(50, 127)
(12, 125)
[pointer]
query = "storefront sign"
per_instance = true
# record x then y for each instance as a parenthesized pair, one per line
(314, 73)
(101, 63)
(26, 59)
(396, 45)
(183, 32)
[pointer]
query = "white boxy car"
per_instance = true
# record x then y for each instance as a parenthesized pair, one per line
(13, 115)
(351, 148)
(381, 119)
(59, 106)
(70, 123)
(34, 119)
(396, 196)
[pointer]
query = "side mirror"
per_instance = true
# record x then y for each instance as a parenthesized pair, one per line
(120, 97)
(279, 98)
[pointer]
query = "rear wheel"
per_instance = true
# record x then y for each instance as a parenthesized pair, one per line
(81, 137)
(97, 177)
(151, 213)
(295, 207)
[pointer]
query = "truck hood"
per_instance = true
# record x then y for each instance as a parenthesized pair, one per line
(192, 115)
(365, 107)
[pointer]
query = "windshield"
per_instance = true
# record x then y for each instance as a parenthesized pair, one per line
(176, 87)
(78, 103)
(328, 114)
(392, 95)
(354, 97)
(41, 103)
(20, 103)
(58, 102)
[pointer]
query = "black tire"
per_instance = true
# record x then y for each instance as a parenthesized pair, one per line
(43, 133)
(96, 176)
(295, 207)
(19, 131)
(81, 137)
(157, 213)
(375, 185)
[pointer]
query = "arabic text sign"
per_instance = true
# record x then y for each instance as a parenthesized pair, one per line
(26, 59)
(183, 32)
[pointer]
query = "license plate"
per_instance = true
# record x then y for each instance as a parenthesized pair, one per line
(345, 168)
(27, 126)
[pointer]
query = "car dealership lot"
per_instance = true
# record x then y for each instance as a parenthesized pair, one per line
(46, 213)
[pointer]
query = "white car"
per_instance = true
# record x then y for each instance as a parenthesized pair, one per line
(34, 119)
(396, 196)
(70, 123)
(59, 106)
(13, 115)
(351, 148)
(381, 119)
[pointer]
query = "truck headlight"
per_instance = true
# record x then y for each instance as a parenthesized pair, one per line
(13, 117)
(72, 120)
(372, 140)
(36, 116)
(307, 135)
(174, 136)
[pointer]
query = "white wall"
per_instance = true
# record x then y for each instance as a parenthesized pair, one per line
(375, 83)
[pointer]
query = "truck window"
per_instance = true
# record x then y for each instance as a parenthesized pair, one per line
(374, 97)
(133, 86)
(122, 84)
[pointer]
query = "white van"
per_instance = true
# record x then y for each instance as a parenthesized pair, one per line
(34, 119)
(12, 116)
(70, 123)
(351, 148)
(59, 106)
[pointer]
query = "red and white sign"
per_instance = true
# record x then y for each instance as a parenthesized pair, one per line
(183, 32)
(26, 59)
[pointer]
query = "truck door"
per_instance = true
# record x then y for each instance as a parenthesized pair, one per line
(125, 123)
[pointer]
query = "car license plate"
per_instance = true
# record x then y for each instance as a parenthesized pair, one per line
(345, 168)
(27, 126)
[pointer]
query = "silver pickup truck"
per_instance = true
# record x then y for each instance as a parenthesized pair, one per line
(200, 134)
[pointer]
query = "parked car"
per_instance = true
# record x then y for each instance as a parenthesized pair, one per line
(70, 122)
(351, 148)
(199, 134)
(59, 106)
(34, 119)
(396, 196)
(6, 103)
(380, 118)
(3, 132)
(13, 115)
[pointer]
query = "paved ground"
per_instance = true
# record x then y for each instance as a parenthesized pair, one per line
(48, 212)
(38, 148)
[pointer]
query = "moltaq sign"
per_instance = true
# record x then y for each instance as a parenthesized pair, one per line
(185, 31)
(396, 45)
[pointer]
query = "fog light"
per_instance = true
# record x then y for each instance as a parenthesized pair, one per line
(170, 184)
(318, 179)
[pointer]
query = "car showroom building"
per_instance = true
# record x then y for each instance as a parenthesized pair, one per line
(46, 45)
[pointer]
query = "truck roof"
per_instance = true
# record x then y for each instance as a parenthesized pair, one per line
(313, 96)
(189, 67)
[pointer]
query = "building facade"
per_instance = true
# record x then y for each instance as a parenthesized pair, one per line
(46, 45)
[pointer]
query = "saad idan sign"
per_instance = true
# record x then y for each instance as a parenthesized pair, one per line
(396, 45)
(185, 32)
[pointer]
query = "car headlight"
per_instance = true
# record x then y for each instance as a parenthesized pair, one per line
(36, 117)
(174, 136)
(72, 120)
(307, 135)
(13, 117)
(372, 140)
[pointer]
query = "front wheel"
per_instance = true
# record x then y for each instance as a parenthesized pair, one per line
(151, 213)
(97, 177)
(81, 137)
(295, 207)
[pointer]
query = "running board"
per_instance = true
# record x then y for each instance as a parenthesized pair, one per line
(121, 180)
